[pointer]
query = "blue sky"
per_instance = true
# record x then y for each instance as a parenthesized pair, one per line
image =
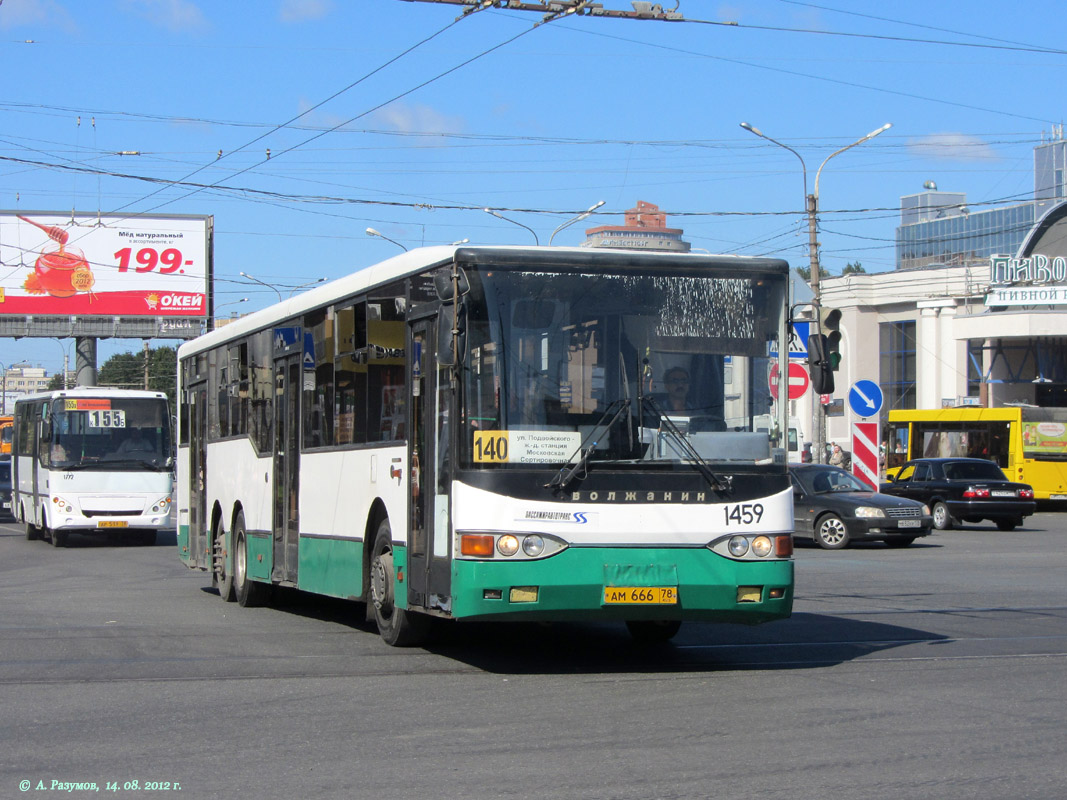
(385, 114)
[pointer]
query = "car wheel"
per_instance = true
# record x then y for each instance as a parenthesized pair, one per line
(1007, 524)
(831, 533)
(942, 519)
(899, 541)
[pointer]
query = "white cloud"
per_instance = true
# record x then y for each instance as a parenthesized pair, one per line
(174, 15)
(302, 10)
(17, 13)
(952, 147)
(418, 119)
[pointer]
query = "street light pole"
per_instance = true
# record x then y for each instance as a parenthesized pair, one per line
(513, 222)
(578, 218)
(372, 232)
(811, 208)
(262, 283)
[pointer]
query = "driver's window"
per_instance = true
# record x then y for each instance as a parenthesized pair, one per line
(922, 472)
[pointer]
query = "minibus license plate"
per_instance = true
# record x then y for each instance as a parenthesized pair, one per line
(641, 595)
(112, 523)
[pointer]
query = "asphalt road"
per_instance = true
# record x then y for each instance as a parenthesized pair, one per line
(936, 671)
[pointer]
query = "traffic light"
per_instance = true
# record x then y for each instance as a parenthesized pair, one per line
(831, 328)
(822, 376)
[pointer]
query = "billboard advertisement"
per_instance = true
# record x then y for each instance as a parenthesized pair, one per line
(129, 266)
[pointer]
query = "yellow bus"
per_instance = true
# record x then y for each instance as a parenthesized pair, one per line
(1029, 443)
(6, 431)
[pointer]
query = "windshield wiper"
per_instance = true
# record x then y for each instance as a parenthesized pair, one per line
(714, 481)
(565, 476)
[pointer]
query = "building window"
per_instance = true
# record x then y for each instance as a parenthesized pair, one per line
(897, 367)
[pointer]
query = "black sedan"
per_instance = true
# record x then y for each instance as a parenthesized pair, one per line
(963, 489)
(835, 508)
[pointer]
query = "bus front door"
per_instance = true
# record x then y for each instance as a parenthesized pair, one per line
(429, 539)
(287, 387)
(199, 533)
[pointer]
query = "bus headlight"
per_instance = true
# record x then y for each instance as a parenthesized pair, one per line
(867, 512)
(738, 546)
(507, 545)
(533, 545)
(62, 505)
(519, 547)
(761, 546)
(161, 506)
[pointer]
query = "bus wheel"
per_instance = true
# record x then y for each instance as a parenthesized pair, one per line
(942, 519)
(58, 538)
(32, 531)
(249, 592)
(831, 533)
(397, 626)
(223, 579)
(653, 631)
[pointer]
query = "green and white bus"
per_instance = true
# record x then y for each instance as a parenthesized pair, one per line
(499, 433)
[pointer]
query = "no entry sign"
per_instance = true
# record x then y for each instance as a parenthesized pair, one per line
(798, 381)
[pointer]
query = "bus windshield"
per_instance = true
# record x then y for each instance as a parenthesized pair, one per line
(619, 367)
(110, 433)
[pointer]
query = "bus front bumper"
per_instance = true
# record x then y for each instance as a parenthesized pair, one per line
(624, 584)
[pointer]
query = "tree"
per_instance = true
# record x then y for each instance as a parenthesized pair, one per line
(805, 273)
(853, 268)
(127, 371)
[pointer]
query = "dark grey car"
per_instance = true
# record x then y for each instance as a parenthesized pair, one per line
(835, 508)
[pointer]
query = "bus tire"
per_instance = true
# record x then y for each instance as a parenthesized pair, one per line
(32, 531)
(397, 626)
(644, 631)
(58, 538)
(942, 519)
(250, 593)
(831, 533)
(223, 578)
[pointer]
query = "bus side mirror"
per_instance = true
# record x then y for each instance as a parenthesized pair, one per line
(46, 431)
(446, 290)
(822, 373)
(451, 335)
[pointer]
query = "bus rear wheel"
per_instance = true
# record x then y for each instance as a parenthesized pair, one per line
(223, 578)
(397, 626)
(250, 593)
(32, 531)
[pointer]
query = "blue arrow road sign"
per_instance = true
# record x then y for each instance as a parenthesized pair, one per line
(865, 399)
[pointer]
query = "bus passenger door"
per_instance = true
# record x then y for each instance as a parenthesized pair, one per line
(286, 527)
(429, 532)
(199, 547)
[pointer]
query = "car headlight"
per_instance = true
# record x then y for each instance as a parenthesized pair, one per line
(926, 510)
(869, 511)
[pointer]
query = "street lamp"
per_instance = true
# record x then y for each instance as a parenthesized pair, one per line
(66, 361)
(262, 283)
(579, 218)
(295, 289)
(372, 232)
(513, 222)
(811, 205)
